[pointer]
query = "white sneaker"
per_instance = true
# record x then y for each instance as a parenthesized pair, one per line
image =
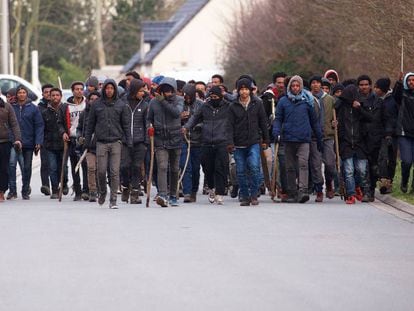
(219, 199)
(211, 196)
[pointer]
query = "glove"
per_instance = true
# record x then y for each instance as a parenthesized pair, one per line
(320, 146)
(151, 131)
(230, 148)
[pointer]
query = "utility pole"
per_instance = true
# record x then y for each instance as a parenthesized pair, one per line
(5, 36)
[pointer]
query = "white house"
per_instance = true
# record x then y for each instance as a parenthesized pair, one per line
(191, 44)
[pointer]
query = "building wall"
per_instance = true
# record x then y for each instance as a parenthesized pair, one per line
(200, 45)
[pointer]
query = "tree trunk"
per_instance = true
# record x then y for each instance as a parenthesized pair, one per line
(98, 32)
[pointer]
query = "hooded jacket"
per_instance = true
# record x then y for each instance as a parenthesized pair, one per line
(405, 101)
(350, 124)
(216, 126)
(8, 123)
(373, 131)
(331, 72)
(108, 119)
(165, 117)
(137, 111)
(193, 107)
(30, 122)
(296, 119)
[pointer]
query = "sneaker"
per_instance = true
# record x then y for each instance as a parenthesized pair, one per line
(102, 197)
(219, 199)
(173, 201)
(358, 194)
(125, 194)
(92, 196)
(211, 196)
(78, 197)
(303, 198)
(365, 198)
(25, 196)
(1, 196)
(187, 198)
(85, 196)
(54, 196)
(244, 202)
(134, 197)
(11, 195)
(404, 188)
(319, 197)
(254, 201)
(45, 190)
(65, 190)
(350, 200)
(234, 191)
(112, 205)
(163, 202)
(193, 197)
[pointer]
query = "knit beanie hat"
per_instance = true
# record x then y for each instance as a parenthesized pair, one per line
(325, 82)
(92, 81)
(244, 83)
(216, 90)
(315, 78)
(383, 84)
(338, 87)
(157, 79)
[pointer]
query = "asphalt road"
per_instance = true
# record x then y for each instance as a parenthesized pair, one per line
(79, 256)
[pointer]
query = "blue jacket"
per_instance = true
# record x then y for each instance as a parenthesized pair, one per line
(295, 120)
(31, 124)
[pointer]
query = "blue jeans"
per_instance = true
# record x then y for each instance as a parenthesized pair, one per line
(248, 170)
(55, 167)
(350, 165)
(406, 145)
(191, 179)
(13, 160)
(24, 159)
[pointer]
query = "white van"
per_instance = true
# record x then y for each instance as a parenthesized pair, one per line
(10, 81)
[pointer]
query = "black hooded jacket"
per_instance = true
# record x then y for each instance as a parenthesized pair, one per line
(108, 119)
(350, 124)
(137, 112)
(193, 107)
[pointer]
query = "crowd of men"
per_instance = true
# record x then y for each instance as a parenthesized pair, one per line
(297, 137)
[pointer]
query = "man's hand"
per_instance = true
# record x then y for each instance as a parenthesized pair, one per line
(17, 145)
(65, 137)
(81, 140)
(356, 104)
(158, 96)
(184, 131)
(185, 114)
(36, 149)
(230, 148)
(320, 146)
(265, 146)
(334, 124)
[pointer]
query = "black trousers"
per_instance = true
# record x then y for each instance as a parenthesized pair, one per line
(216, 163)
(132, 159)
(4, 165)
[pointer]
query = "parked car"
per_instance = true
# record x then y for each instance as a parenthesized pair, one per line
(10, 81)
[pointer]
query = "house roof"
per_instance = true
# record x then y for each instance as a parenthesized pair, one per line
(160, 33)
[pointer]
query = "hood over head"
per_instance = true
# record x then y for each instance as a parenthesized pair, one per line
(170, 82)
(295, 78)
(134, 87)
(350, 93)
(107, 82)
(190, 90)
(409, 74)
(331, 73)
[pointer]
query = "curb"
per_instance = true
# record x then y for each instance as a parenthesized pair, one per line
(395, 203)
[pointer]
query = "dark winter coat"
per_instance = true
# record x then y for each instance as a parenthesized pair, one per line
(373, 132)
(216, 126)
(296, 120)
(196, 104)
(405, 101)
(8, 123)
(350, 125)
(248, 127)
(137, 113)
(82, 126)
(165, 116)
(108, 119)
(52, 138)
(31, 124)
(42, 105)
(390, 114)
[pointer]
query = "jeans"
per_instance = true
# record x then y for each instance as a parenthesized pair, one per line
(248, 170)
(191, 179)
(132, 159)
(74, 154)
(282, 167)
(55, 167)
(350, 165)
(25, 161)
(168, 161)
(315, 162)
(216, 164)
(4, 165)
(44, 167)
(108, 155)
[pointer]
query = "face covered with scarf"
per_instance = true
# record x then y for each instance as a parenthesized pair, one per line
(216, 96)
